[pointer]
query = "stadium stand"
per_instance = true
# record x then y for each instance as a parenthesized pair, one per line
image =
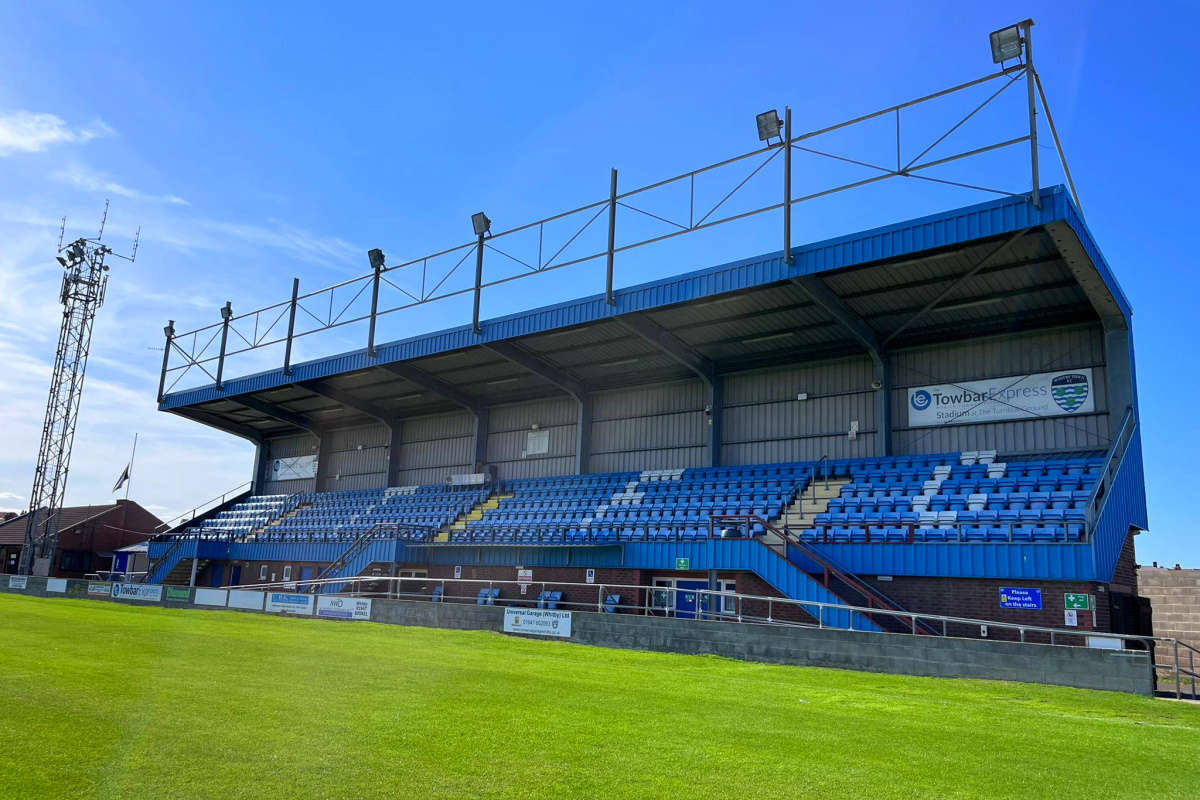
(824, 428)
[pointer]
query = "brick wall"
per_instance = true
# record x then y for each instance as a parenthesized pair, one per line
(1175, 600)
(1125, 575)
(979, 598)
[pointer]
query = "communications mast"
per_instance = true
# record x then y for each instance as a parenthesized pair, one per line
(83, 283)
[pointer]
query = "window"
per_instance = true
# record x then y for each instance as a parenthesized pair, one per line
(262, 572)
(75, 560)
(287, 572)
(729, 603)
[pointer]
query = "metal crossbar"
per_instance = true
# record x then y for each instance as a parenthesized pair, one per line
(179, 361)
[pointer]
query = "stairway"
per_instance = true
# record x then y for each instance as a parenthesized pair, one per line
(475, 514)
(813, 500)
(256, 532)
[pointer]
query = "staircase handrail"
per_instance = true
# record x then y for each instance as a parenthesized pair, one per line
(215, 501)
(1112, 463)
(872, 594)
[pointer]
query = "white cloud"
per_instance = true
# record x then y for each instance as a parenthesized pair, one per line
(32, 132)
(89, 181)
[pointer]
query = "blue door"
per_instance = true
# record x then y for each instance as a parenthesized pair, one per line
(687, 600)
(306, 573)
(216, 575)
(235, 575)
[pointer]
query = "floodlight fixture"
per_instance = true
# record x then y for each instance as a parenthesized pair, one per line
(169, 330)
(376, 257)
(62, 261)
(227, 310)
(769, 125)
(481, 224)
(1007, 43)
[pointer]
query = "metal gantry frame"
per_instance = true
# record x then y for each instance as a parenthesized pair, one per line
(206, 348)
(81, 294)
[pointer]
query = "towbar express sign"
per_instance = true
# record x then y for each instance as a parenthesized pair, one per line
(1046, 394)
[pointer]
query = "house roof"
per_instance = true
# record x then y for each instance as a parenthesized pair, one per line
(13, 531)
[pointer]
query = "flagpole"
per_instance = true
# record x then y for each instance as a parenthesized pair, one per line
(131, 457)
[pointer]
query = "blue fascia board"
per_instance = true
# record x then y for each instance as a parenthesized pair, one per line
(957, 227)
(1057, 562)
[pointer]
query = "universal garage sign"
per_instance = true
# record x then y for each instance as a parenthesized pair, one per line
(1046, 394)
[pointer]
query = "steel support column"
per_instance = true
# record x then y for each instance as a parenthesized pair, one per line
(287, 348)
(162, 378)
(671, 345)
(374, 312)
(788, 258)
(563, 380)
(612, 237)
(226, 314)
(478, 284)
(820, 293)
(1031, 87)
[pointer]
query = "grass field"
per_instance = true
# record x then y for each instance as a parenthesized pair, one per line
(105, 700)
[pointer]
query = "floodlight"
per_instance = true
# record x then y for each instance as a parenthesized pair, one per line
(376, 257)
(169, 330)
(1006, 44)
(768, 125)
(227, 310)
(62, 261)
(481, 223)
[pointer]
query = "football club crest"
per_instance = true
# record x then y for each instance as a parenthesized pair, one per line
(1069, 391)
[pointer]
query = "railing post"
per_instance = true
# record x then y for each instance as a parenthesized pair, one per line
(287, 348)
(226, 314)
(478, 284)
(612, 237)
(1178, 684)
(787, 186)
(162, 378)
(1036, 190)
(378, 266)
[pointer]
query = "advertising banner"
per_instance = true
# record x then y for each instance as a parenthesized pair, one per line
(100, 589)
(56, 584)
(179, 594)
(1046, 394)
(344, 607)
(537, 621)
(214, 597)
(18, 581)
(285, 603)
(297, 467)
(252, 601)
(148, 592)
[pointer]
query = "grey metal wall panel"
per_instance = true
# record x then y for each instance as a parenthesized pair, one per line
(508, 438)
(670, 458)
(435, 446)
(988, 357)
(288, 447)
(782, 384)
(355, 458)
(543, 413)
(662, 426)
(643, 401)
(1052, 350)
(439, 426)
(765, 422)
(799, 449)
(419, 477)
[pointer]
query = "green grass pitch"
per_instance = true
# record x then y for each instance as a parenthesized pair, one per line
(104, 700)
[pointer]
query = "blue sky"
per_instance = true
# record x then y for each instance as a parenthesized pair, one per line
(254, 146)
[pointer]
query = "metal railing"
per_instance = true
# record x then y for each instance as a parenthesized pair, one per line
(207, 505)
(734, 607)
(1116, 453)
(523, 250)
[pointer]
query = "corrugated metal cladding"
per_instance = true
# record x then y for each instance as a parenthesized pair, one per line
(509, 427)
(765, 422)
(287, 447)
(1125, 506)
(435, 446)
(649, 427)
(1051, 350)
(355, 458)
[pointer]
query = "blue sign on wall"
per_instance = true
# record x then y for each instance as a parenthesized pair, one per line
(1016, 597)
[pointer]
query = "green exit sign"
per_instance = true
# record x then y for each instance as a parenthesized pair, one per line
(1082, 602)
(683, 563)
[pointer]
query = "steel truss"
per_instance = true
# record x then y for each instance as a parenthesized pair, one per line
(81, 294)
(207, 348)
